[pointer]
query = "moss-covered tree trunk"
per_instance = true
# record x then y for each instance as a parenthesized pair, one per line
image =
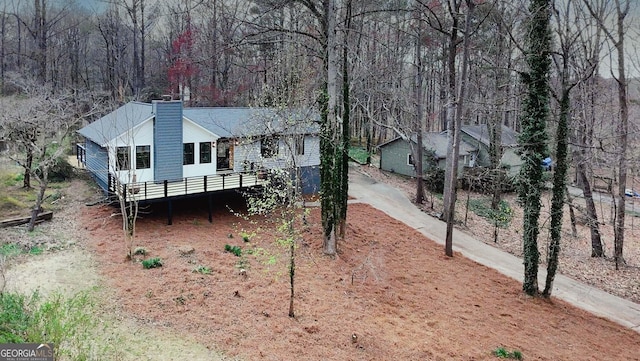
(533, 138)
(559, 187)
(342, 158)
(330, 145)
(419, 104)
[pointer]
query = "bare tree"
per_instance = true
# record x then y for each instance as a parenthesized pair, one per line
(454, 116)
(568, 37)
(38, 122)
(616, 35)
(583, 137)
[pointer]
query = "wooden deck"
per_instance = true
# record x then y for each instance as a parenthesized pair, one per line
(153, 191)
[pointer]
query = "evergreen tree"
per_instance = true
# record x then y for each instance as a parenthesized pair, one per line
(533, 138)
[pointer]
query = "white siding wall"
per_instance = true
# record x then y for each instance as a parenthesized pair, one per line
(248, 151)
(193, 133)
(140, 135)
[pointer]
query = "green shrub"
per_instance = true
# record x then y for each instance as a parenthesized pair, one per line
(12, 179)
(35, 250)
(61, 171)
(15, 317)
(233, 249)
(246, 237)
(66, 323)
(10, 250)
(202, 270)
(152, 263)
(502, 352)
(358, 154)
(501, 217)
(434, 180)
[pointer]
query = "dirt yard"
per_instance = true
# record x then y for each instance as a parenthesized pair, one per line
(389, 286)
(575, 255)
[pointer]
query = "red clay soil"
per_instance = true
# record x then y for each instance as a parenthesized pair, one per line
(389, 286)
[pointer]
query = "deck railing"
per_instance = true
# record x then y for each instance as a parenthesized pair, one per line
(146, 191)
(81, 155)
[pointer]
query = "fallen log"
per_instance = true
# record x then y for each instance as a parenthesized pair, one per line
(44, 216)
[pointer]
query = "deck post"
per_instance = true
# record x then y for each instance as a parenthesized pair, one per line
(210, 208)
(240, 180)
(205, 184)
(169, 212)
(166, 182)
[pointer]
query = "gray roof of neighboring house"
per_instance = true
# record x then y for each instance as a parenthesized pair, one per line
(437, 142)
(481, 133)
(224, 122)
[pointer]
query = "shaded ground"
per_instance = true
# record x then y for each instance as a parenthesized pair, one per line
(389, 286)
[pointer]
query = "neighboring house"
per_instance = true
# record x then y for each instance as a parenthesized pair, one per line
(397, 155)
(478, 136)
(161, 151)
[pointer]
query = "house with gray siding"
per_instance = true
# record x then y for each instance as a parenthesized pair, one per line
(398, 154)
(478, 136)
(161, 151)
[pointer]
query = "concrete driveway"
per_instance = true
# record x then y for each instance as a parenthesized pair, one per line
(394, 203)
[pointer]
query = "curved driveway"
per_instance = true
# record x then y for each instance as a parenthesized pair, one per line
(394, 203)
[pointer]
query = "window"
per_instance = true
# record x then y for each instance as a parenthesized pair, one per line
(205, 152)
(143, 156)
(187, 153)
(122, 158)
(269, 146)
(410, 159)
(299, 139)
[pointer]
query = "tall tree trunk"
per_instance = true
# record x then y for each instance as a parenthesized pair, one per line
(328, 180)
(143, 34)
(453, 150)
(342, 159)
(449, 180)
(623, 129)
(40, 33)
(495, 127)
(28, 166)
(292, 271)
(572, 213)
(559, 186)
(419, 126)
(533, 138)
(3, 46)
(37, 209)
(592, 216)
(43, 182)
(584, 139)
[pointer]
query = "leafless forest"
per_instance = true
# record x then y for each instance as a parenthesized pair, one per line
(382, 69)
